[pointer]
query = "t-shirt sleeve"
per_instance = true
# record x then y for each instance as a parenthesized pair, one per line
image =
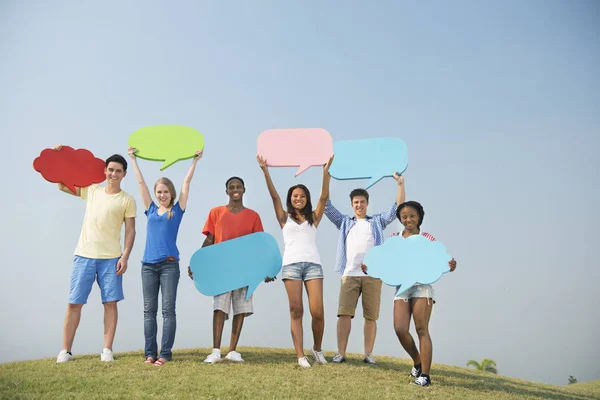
(428, 236)
(130, 208)
(209, 225)
(257, 225)
(84, 191)
(151, 209)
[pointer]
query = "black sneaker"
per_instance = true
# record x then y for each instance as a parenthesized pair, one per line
(423, 380)
(415, 372)
(338, 359)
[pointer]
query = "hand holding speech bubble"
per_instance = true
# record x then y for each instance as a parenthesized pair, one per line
(73, 168)
(405, 261)
(168, 143)
(302, 148)
(236, 263)
(369, 158)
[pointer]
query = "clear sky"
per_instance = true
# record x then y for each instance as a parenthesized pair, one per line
(497, 101)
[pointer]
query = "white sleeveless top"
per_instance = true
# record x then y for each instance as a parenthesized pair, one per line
(300, 243)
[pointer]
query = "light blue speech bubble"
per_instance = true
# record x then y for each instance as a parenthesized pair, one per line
(235, 263)
(369, 159)
(405, 261)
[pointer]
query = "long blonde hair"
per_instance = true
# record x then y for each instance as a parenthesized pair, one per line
(167, 182)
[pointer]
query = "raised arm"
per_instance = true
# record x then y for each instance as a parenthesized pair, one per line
(320, 209)
(280, 213)
(185, 188)
(333, 214)
(401, 193)
(61, 186)
(146, 197)
(390, 215)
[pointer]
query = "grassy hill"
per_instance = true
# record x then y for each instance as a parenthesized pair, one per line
(266, 374)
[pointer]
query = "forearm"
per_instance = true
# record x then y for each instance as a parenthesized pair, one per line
(270, 185)
(325, 187)
(190, 173)
(400, 194)
(210, 240)
(129, 240)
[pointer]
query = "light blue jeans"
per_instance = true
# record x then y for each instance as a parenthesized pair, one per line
(163, 276)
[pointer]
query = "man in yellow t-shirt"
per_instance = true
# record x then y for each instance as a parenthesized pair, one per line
(98, 255)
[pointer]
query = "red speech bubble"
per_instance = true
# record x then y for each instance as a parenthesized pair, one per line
(301, 148)
(73, 168)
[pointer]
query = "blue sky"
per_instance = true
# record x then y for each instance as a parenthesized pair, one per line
(498, 103)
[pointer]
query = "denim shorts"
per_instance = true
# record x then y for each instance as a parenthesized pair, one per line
(302, 271)
(415, 291)
(88, 270)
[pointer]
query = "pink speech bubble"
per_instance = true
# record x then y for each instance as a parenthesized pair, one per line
(303, 148)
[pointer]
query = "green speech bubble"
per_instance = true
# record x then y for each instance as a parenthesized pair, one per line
(168, 143)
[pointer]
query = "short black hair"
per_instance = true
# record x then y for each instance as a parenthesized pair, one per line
(417, 206)
(118, 159)
(359, 192)
(232, 178)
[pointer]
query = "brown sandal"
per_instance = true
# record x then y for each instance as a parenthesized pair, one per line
(160, 362)
(150, 360)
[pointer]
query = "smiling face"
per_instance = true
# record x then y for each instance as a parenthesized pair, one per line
(410, 218)
(298, 198)
(163, 195)
(235, 190)
(114, 172)
(359, 205)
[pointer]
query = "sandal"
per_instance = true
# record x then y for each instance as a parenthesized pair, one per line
(150, 360)
(160, 362)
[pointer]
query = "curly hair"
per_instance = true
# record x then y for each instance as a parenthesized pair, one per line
(417, 206)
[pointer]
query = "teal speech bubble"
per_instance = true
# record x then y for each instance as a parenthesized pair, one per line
(168, 143)
(368, 159)
(236, 263)
(405, 261)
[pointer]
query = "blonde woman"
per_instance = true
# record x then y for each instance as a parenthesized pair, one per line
(160, 263)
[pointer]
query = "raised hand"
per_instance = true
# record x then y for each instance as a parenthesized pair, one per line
(131, 151)
(452, 264)
(198, 154)
(262, 163)
(326, 166)
(58, 147)
(399, 178)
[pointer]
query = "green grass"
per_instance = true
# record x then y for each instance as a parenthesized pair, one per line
(266, 374)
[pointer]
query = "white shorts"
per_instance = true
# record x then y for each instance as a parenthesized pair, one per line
(235, 299)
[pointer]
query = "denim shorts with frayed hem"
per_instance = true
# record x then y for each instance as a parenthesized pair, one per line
(302, 271)
(415, 291)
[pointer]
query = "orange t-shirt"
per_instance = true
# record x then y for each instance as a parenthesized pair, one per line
(225, 225)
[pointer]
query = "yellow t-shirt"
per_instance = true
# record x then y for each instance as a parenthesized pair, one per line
(104, 216)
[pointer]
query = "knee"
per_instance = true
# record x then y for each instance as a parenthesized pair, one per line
(422, 331)
(75, 308)
(110, 306)
(168, 310)
(318, 316)
(296, 312)
(401, 330)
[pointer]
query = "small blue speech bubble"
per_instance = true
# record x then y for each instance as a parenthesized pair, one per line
(405, 261)
(369, 159)
(236, 263)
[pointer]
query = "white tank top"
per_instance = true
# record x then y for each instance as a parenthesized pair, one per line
(300, 243)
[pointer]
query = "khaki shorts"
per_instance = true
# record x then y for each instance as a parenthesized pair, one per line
(351, 289)
(235, 299)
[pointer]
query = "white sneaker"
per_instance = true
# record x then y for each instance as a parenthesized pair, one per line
(234, 356)
(213, 357)
(63, 356)
(370, 360)
(303, 362)
(106, 355)
(319, 356)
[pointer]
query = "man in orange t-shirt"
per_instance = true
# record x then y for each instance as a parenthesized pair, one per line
(225, 223)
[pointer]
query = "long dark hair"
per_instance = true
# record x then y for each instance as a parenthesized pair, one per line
(307, 211)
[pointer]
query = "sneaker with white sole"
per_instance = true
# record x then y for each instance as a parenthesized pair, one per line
(415, 372)
(303, 362)
(107, 355)
(234, 356)
(423, 380)
(319, 356)
(370, 360)
(64, 356)
(338, 358)
(213, 357)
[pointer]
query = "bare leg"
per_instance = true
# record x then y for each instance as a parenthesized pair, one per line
(294, 292)
(402, 313)
(344, 325)
(218, 323)
(72, 318)
(236, 329)
(370, 332)
(421, 307)
(111, 315)
(314, 289)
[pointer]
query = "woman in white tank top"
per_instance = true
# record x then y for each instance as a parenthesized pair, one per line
(301, 262)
